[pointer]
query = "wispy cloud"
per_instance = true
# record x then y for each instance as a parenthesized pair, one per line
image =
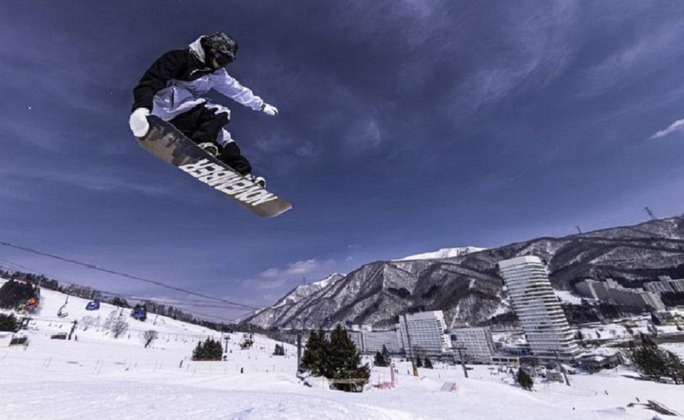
(675, 126)
(299, 268)
(277, 278)
(632, 60)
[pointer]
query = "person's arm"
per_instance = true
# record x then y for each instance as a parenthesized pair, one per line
(167, 67)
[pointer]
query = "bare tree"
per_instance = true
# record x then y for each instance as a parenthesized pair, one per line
(150, 336)
(118, 327)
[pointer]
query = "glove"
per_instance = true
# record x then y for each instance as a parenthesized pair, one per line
(138, 122)
(269, 109)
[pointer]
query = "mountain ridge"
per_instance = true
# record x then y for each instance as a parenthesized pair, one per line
(468, 287)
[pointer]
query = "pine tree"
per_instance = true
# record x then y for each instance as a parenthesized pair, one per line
(8, 323)
(343, 362)
(314, 353)
(382, 358)
(428, 363)
(675, 367)
(648, 358)
(209, 350)
(379, 359)
(524, 380)
(386, 355)
(198, 353)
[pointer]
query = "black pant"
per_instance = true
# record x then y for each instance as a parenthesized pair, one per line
(201, 125)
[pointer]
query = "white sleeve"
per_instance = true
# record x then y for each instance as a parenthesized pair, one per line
(228, 86)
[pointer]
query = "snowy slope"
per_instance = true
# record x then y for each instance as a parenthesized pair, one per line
(106, 378)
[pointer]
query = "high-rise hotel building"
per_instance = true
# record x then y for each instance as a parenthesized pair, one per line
(541, 316)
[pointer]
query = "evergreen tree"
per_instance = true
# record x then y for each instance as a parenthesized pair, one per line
(524, 380)
(279, 350)
(382, 358)
(343, 362)
(675, 367)
(428, 363)
(379, 359)
(654, 362)
(314, 353)
(198, 353)
(647, 358)
(8, 323)
(209, 350)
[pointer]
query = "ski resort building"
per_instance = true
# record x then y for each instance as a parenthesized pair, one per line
(610, 290)
(477, 343)
(426, 333)
(665, 284)
(541, 316)
(370, 342)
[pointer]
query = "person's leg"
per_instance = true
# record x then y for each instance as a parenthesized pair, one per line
(231, 156)
(201, 124)
(205, 123)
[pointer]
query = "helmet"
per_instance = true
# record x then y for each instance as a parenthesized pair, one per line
(219, 46)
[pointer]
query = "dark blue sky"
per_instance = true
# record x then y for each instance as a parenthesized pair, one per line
(404, 127)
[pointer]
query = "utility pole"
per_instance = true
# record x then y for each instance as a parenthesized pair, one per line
(460, 347)
(650, 213)
(299, 350)
(408, 339)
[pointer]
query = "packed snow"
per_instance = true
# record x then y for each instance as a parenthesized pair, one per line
(95, 375)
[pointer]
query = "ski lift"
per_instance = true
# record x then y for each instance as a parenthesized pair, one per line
(93, 305)
(139, 313)
(61, 312)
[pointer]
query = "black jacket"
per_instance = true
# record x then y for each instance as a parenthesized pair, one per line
(178, 65)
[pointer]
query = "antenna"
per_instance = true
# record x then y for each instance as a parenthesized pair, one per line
(650, 213)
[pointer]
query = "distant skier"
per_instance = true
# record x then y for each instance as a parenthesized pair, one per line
(173, 88)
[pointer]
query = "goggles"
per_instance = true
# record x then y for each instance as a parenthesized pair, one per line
(223, 59)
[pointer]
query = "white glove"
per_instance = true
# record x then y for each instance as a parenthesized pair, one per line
(138, 122)
(269, 110)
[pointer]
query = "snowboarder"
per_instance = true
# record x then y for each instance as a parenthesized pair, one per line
(172, 89)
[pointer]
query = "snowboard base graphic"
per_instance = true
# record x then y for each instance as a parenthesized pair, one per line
(170, 145)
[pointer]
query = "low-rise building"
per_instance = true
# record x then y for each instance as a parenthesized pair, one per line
(610, 290)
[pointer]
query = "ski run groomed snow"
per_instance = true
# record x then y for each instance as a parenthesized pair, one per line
(100, 377)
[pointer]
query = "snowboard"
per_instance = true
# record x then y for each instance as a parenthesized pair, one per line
(167, 143)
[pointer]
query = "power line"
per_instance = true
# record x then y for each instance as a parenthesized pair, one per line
(122, 274)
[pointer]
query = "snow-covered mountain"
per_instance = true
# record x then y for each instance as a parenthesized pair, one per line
(304, 290)
(443, 253)
(280, 310)
(468, 287)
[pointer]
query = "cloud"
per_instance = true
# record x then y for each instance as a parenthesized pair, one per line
(298, 268)
(633, 60)
(675, 126)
